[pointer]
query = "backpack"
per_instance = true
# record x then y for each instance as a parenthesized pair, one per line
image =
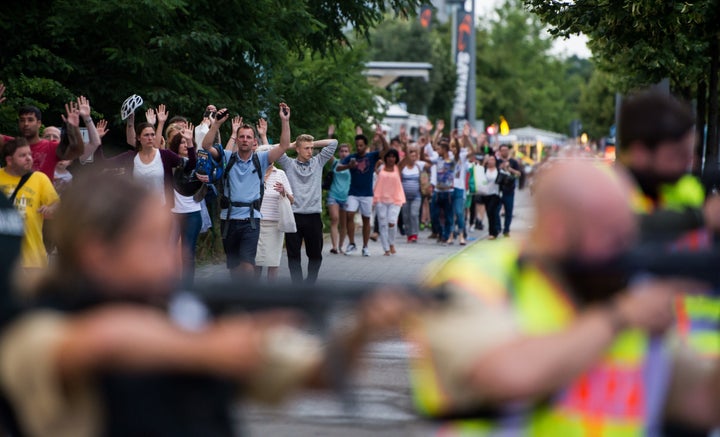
(207, 165)
(226, 199)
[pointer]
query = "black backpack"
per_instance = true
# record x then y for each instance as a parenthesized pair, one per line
(226, 199)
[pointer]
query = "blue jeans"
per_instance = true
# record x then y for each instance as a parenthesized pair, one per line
(435, 215)
(508, 201)
(444, 202)
(458, 203)
(189, 225)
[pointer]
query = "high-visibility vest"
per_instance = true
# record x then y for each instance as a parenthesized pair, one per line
(686, 192)
(698, 315)
(614, 398)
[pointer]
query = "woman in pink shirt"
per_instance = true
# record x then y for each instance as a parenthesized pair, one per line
(388, 198)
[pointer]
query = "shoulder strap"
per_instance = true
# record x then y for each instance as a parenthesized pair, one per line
(258, 169)
(23, 179)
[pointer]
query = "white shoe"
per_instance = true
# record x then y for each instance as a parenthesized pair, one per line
(365, 251)
(350, 249)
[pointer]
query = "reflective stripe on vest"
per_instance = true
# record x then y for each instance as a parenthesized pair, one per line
(608, 400)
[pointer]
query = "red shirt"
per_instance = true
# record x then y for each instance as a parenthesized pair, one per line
(44, 155)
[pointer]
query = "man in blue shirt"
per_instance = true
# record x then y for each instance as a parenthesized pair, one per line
(360, 197)
(241, 218)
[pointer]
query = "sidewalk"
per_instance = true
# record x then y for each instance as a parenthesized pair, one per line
(406, 266)
(383, 405)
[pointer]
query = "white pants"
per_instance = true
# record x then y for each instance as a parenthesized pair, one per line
(387, 214)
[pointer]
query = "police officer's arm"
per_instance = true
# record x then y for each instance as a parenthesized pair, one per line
(530, 367)
(143, 339)
(276, 152)
(76, 146)
(207, 142)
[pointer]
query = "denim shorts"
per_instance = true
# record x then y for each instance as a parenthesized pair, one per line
(333, 201)
(241, 242)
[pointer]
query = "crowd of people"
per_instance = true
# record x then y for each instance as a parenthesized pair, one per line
(542, 337)
(268, 199)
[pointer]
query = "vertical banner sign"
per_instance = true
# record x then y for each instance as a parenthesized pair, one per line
(463, 59)
(426, 16)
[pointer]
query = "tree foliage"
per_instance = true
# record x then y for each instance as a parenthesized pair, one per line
(240, 54)
(519, 78)
(408, 41)
(640, 42)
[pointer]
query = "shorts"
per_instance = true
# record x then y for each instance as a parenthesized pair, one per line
(270, 244)
(241, 242)
(362, 203)
(333, 201)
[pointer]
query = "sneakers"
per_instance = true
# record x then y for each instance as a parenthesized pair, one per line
(350, 249)
(506, 234)
(365, 251)
(413, 239)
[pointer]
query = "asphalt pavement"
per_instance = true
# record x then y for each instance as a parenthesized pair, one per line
(381, 404)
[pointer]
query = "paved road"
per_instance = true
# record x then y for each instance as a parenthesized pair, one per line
(383, 405)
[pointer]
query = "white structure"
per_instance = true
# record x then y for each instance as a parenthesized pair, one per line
(397, 116)
(383, 74)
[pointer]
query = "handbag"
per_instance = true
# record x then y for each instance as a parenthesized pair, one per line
(505, 180)
(482, 184)
(287, 218)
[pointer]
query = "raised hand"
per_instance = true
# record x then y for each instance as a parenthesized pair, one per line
(72, 117)
(440, 125)
(162, 114)
(102, 128)
(150, 116)
(221, 116)
(466, 129)
(2, 91)
(331, 130)
(187, 133)
(428, 126)
(84, 107)
(284, 112)
(237, 122)
(358, 130)
(261, 127)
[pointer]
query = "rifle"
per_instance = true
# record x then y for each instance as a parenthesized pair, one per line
(703, 266)
(315, 301)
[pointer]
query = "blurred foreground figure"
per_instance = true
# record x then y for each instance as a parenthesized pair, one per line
(541, 341)
(97, 354)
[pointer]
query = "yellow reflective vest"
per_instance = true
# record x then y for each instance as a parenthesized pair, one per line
(614, 398)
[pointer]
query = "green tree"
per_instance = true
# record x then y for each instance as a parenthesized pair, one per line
(408, 41)
(641, 42)
(517, 77)
(597, 105)
(179, 52)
